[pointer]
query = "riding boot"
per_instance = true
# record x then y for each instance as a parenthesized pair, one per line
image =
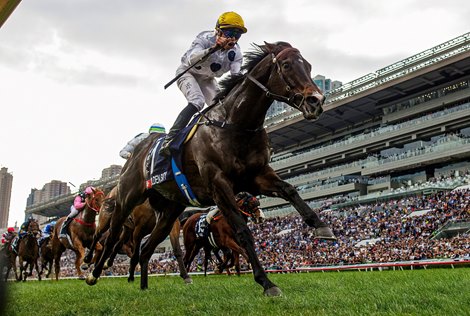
(181, 121)
(63, 230)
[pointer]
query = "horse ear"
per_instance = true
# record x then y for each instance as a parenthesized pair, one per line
(268, 47)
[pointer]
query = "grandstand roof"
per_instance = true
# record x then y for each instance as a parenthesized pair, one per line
(362, 100)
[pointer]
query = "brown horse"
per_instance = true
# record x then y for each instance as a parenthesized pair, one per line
(221, 236)
(139, 224)
(80, 231)
(28, 252)
(228, 153)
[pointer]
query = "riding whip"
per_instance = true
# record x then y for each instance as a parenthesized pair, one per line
(211, 50)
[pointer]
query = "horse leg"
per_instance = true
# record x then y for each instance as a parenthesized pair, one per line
(79, 253)
(225, 199)
(133, 198)
(137, 237)
(270, 184)
(37, 269)
(175, 244)
(122, 239)
(164, 224)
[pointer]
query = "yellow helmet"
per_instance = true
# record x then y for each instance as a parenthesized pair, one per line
(231, 20)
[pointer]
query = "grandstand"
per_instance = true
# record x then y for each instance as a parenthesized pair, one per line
(403, 129)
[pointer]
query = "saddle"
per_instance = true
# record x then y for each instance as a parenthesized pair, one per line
(161, 169)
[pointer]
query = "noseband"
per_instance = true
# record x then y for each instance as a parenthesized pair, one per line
(281, 98)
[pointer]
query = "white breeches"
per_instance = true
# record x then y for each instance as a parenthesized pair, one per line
(198, 89)
(73, 212)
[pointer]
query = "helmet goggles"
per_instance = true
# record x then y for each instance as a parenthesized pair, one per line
(232, 33)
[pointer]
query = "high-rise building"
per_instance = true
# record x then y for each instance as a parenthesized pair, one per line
(6, 181)
(49, 191)
(111, 171)
(325, 84)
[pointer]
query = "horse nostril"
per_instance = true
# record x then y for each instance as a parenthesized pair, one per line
(312, 100)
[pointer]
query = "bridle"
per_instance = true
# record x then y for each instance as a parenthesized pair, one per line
(92, 203)
(289, 100)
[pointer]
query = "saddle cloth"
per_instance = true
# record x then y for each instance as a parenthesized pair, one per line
(202, 227)
(161, 169)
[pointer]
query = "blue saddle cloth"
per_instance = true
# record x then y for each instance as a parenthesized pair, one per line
(161, 169)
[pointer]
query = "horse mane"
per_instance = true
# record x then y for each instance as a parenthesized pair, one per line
(251, 59)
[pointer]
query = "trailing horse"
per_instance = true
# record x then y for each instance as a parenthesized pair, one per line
(80, 233)
(139, 224)
(28, 252)
(219, 236)
(228, 153)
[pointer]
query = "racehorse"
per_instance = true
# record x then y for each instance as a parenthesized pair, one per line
(139, 224)
(28, 252)
(227, 154)
(47, 257)
(80, 230)
(221, 236)
(8, 261)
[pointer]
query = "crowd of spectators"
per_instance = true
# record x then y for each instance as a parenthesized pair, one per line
(380, 232)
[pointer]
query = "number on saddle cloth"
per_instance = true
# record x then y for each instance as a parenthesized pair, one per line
(202, 227)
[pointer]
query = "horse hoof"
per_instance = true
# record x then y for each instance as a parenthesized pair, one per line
(130, 280)
(91, 280)
(324, 233)
(273, 291)
(188, 280)
(107, 265)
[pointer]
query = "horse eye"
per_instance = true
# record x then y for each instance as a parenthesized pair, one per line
(285, 65)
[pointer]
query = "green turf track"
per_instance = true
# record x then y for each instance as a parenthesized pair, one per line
(441, 291)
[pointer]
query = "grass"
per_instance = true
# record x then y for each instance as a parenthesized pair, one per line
(417, 292)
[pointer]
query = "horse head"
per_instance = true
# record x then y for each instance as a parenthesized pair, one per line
(33, 228)
(249, 206)
(290, 82)
(95, 200)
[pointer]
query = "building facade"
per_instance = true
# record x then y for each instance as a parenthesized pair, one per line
(6, 181)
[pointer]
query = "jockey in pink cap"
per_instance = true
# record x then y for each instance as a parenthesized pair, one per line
(78, 205)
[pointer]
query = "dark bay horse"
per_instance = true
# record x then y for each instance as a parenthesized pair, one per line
(80, 230)
(28, 252)
(47, 256)
(228, 153)
(8, 261)
(139, 224)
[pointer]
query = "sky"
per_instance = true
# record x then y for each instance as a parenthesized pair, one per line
(80, 78)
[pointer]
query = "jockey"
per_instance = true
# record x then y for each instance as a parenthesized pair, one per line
(246, 202)
(24, 227)
(127, 151)
(8, 236)
(198, 84)
(78, 205)
(47, 231)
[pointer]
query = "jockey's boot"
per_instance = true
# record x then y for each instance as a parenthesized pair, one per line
(181, 121)
(63, 229)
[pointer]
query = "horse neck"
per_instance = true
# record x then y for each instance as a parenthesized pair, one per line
(88, 215)
(247, 104)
